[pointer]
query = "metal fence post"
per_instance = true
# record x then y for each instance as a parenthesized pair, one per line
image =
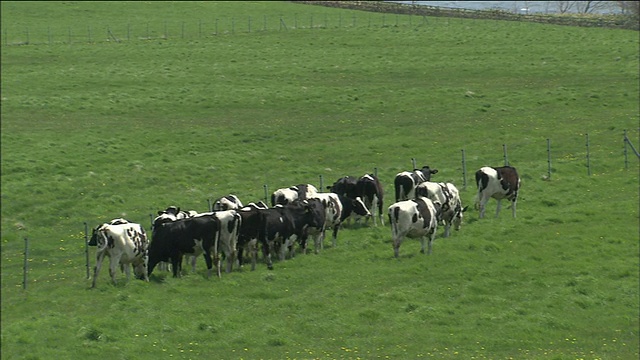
(506, 158)
(626, 158)
(413, 162)
(265, 194)
(321, 183)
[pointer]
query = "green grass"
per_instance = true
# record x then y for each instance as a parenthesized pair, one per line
(97, 130)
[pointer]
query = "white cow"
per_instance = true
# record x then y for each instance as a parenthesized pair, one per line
(498, 183)
(447, 195)
(415, 218)
(228, 202)
(230, 222)
(288, 195)
(125, 244)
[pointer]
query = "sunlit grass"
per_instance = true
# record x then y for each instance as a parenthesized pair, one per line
(95, 131)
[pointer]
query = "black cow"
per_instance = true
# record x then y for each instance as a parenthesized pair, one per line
(248, 235)
(405, 182)
(193, 236)
(370, 190)
(345, 186)
(282, 226)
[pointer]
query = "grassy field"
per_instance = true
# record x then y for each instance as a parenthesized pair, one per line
(93, 130)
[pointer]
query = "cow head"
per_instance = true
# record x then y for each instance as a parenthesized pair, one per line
(427, 172)
(359, 208)
(457, 216)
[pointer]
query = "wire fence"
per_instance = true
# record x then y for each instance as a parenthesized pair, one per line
(212, 27)
(199, 28)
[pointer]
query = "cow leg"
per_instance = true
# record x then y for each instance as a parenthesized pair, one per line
(380, 211)
(127, 270)
(266, 254)
(114, 261)
(483, 204)
(447, 229)
(396, 246)
(145, 266)
(334, 238)
(96, 269)
(498, 208)
(513, 208)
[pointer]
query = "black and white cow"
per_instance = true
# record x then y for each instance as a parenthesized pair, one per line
(447, 195)
(190, 236)
(288, 195)
(417, 218)
(498, 183)
(406, 181)
(228, 202)
(173, 213)
(337, 209)
(369, 189)
(125, 244)
(248, 234)
(345, 186)
(230, 222)
(281, 226)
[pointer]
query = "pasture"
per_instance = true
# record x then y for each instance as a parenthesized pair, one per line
(96, 130)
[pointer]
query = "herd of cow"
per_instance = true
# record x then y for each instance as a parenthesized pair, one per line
(297, 214)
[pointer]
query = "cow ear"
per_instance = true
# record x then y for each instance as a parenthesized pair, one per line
(465, 208)
(434, 171)
(160, 212)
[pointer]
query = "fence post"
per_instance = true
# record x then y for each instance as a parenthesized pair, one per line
(588, 157)
(151, 221)
(89, 28)
(249, 23)
(209, 205)
(128, 32)
(266, 201)
(49, 34)
(626, 158)
(464, 170)
(548, 159)
(375, 172)
(27, 33)
(86, 249)
(26, 263)
(216, 27)
(506, 158)
(321, 183)
(413, 162)
(69, 35)
(199, 28)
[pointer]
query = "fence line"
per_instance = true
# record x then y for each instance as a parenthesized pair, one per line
(199, 28)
